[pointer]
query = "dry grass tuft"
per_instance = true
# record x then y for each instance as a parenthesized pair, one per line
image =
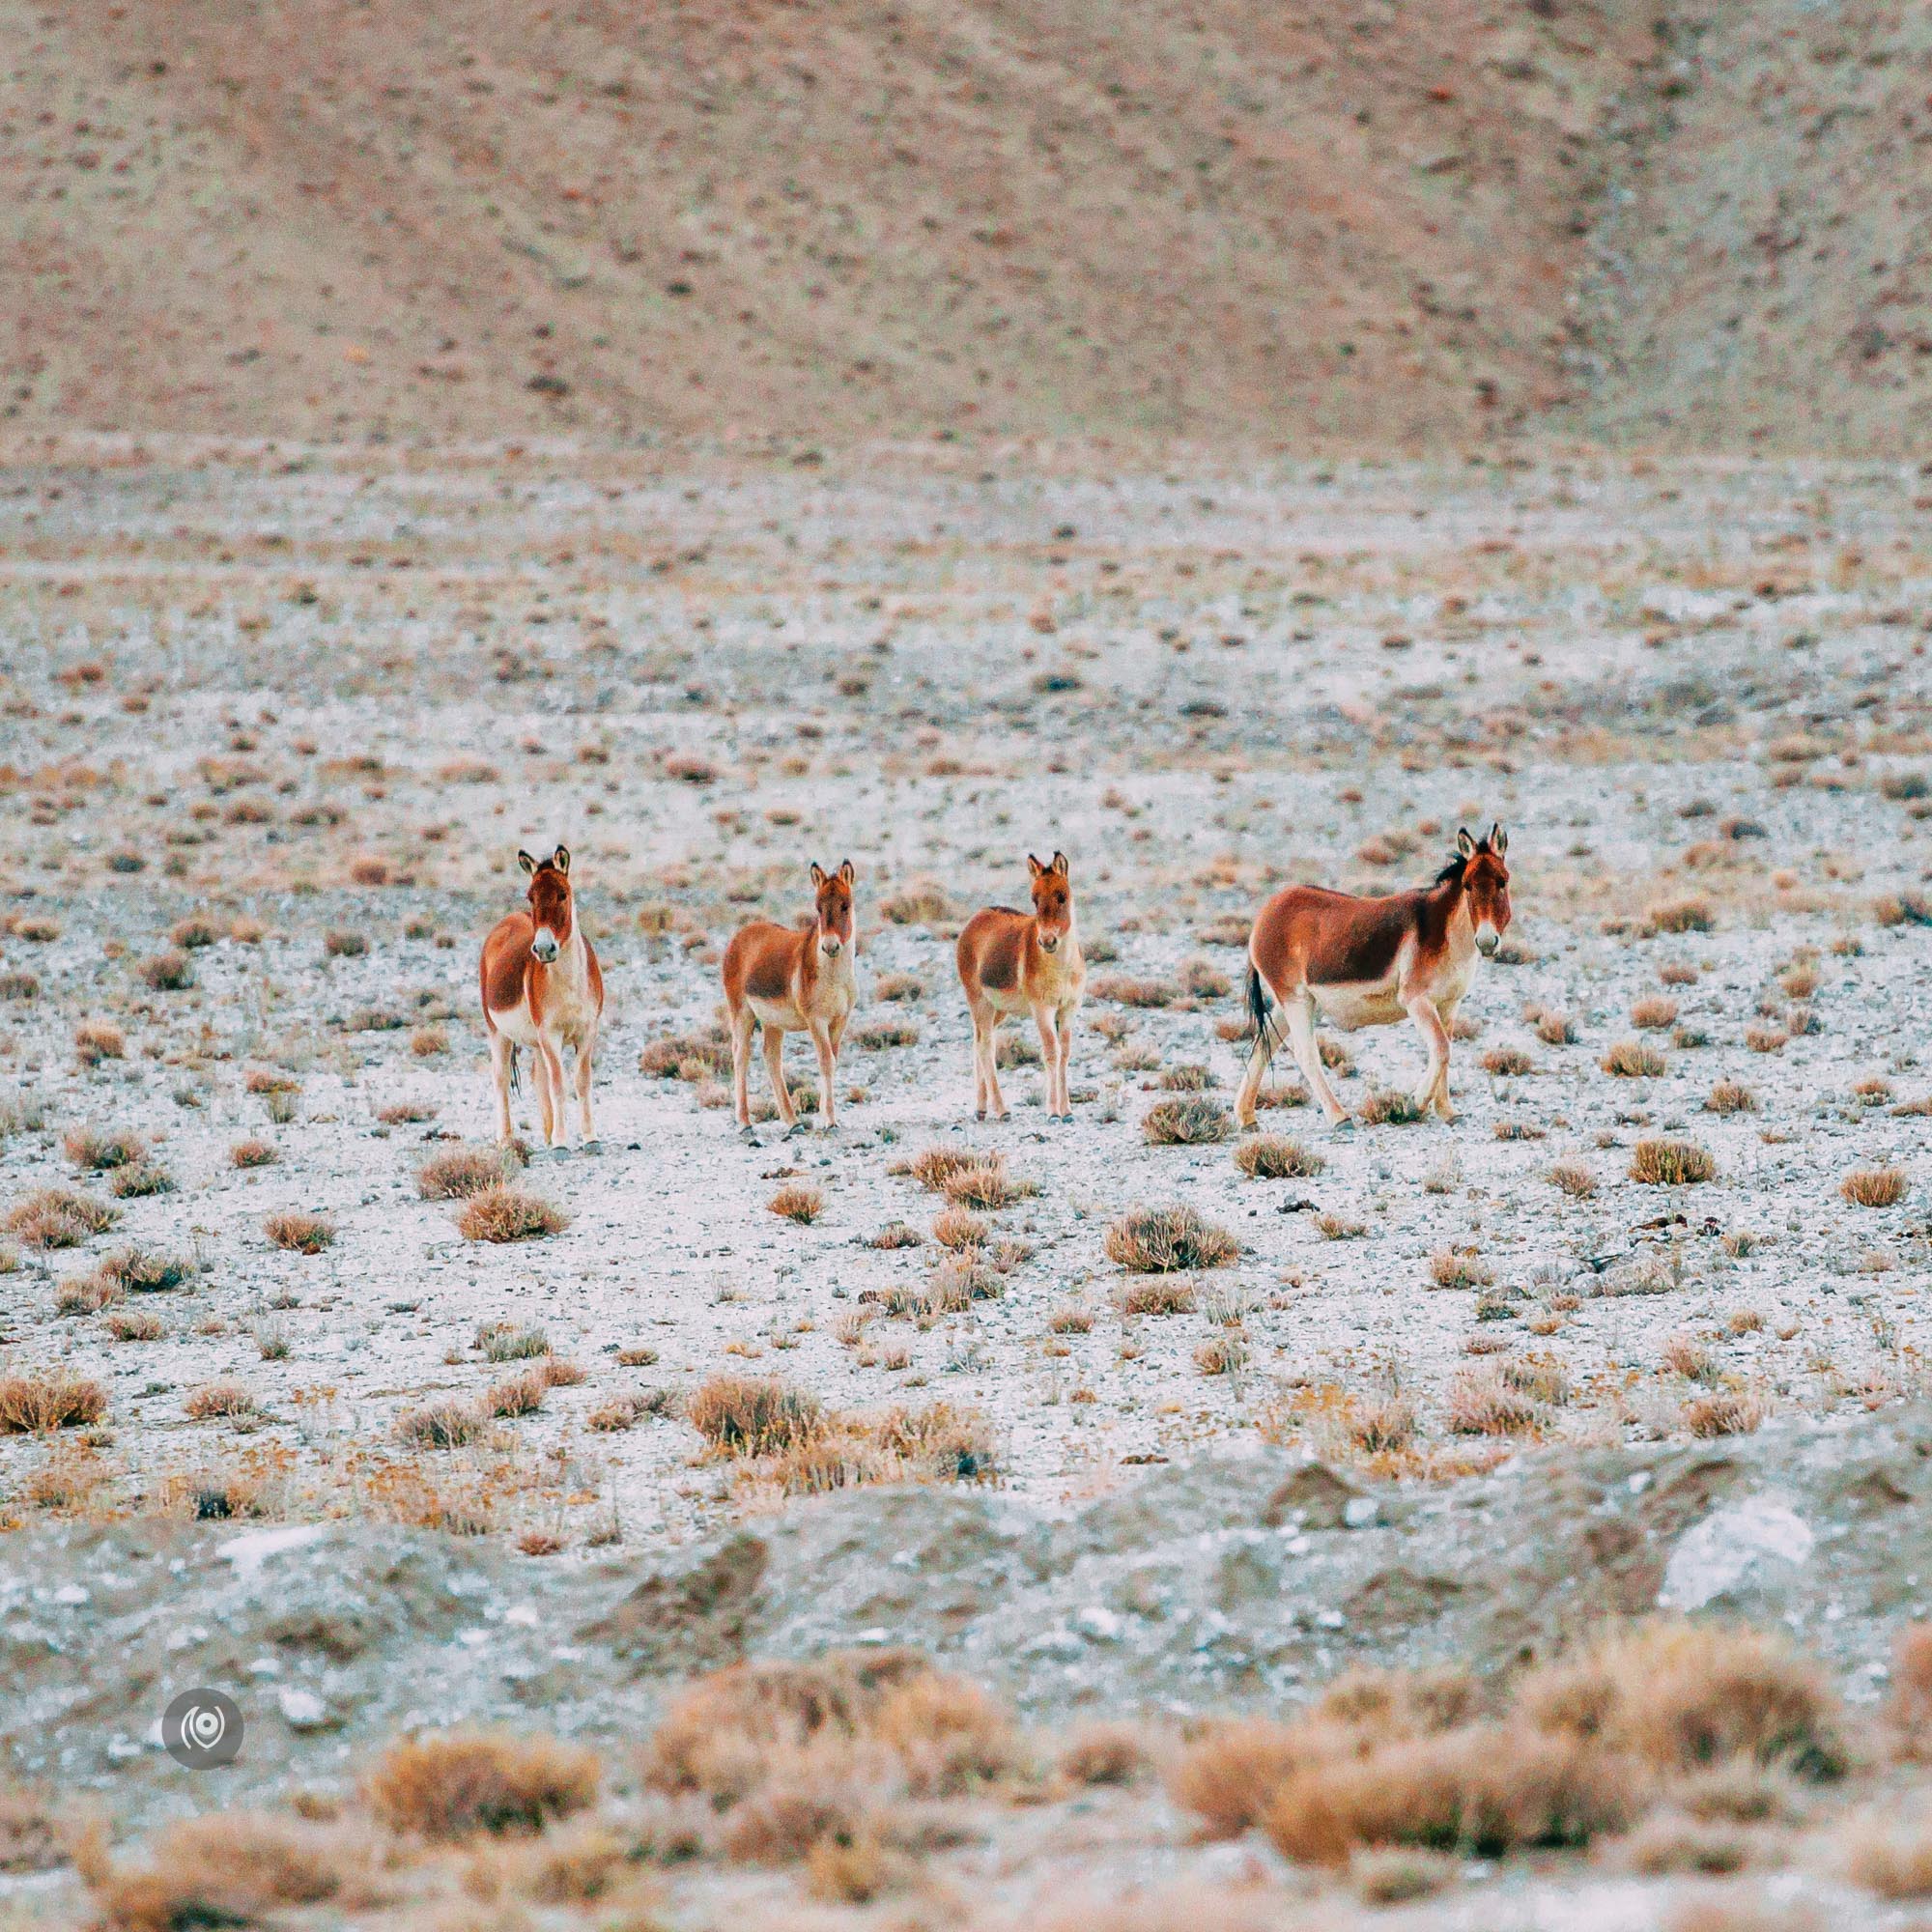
(216, 1402)
(960, 1228)
(457, 1785)
(41, 1400)
(797, 1756)
(985, 1183)
(509, 1215)
(1668, 1163)
(1276, 1158)
(748, 1415)
(1168, 1241)
(1731, 1097)
(1891, 1855)
(896, 1234)
(1390, 1110)
(935, 1166)
(224, 1868)
(1508, 1062)
(252, 1153)
(1687, 915)
(300, 1234)
(797, 1203)
(1107, 1753)
(1573, 1178)
(1633, 1060)
(439, 1425)
(92, 1150)
(1680, 1696)
(463, 1172)
(95, 1040)
(1191, 1122)
(55, 1217)
(1722, 1413)
(1482, 1402)
(1654, 1013)
(1874, 1186)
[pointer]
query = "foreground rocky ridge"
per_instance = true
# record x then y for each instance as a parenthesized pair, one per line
(1228, 1583)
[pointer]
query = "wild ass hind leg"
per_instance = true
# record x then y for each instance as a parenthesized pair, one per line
(743, 1026)
(1434, 1090)
(1298, 1010)
(1259, 1057)
(774, 1068)
(986, 1036)
(502, 1059)
(546, 1103)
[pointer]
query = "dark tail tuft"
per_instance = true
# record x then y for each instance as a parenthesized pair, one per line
(1259, 1013)
(515, 1067)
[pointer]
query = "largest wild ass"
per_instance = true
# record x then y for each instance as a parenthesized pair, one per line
(1369, 961)
(542, 989)
(793, 980)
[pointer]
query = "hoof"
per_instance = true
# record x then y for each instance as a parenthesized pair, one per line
(980, 1114)
(1343, 1124)
(591, 1147)
(749, 1135)
(797, 1127)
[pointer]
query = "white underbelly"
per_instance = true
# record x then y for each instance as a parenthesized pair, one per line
(777, 1016)
(1349, 1006)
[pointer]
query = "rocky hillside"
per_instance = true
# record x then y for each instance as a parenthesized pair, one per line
(1700, 223)
(1224, 1584)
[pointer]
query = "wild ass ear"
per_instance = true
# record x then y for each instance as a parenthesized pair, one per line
(1060, 864)
(817, 875)
(845, 871)
(1499, 840)
(1465, 844)
(1035, 868)
(526, 863)
(560, 858)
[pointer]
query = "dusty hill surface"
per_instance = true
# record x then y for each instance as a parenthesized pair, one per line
(1230, 219)
(1759, 277)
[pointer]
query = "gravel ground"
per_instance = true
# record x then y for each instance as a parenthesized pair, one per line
(317, 696)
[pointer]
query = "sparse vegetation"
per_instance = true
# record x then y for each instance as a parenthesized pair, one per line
(1874, 1186)
(1670, 1163)
(1165, 1240)
(1275, 1157)
(1192, 1123)
(299, 1233)
(504, 1213)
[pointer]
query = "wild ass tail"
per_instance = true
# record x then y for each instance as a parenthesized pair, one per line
(1260, 1017)
(516, 1060)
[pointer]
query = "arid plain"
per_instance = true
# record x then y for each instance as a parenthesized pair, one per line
(276, 723)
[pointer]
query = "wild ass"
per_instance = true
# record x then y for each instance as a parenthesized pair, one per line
(1363, 962)
(793, 980)
(1016, 963)
(542, 989)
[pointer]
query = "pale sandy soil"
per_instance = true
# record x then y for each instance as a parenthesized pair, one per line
(932, 660)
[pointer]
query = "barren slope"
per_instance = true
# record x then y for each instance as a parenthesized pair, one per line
(1234, 219)
(1760, 279)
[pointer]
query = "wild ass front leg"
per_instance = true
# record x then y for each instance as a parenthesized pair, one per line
(1045, 1019)
(828, 1063)
(1433, 1090)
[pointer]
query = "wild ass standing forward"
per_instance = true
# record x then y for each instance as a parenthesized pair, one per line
(793, 980)
(542, 989)
(1368, 961)
(1016, 963)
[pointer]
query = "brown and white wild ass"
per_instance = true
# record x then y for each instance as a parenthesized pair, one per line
(1369, 961)
(1016, 963)
(785, 979)
(542, 989)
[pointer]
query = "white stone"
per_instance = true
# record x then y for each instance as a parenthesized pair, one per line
(1762, 1533)
(301, 1709)
(249, 1552)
